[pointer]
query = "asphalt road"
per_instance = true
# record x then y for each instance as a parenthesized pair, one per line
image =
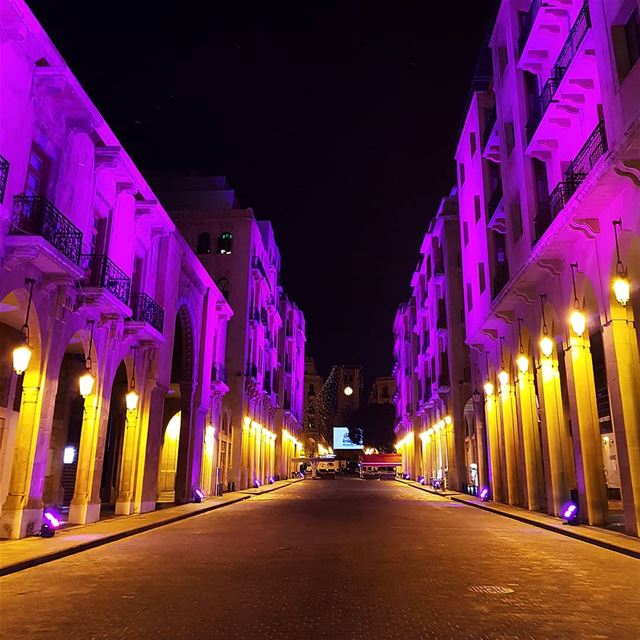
(348, 559)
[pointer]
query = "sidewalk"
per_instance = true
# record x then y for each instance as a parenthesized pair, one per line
(17, 555)
(611, 540)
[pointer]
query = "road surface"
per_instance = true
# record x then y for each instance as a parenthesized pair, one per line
(348, 559)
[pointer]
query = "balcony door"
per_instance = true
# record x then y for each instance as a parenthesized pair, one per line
(38, 172)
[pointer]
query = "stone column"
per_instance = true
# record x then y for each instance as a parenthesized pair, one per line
(509, 429)
(495, 466)
(187, 445)
(18, 517)
(587, 442)
(530, 441)
(124, 501)
(147, 484)
(623, 378)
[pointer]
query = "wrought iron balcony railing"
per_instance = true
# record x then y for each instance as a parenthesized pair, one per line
(579, 168)
(101, 272)
(146, 309)
(495, 199)
(36, 216)
(4, 172)
(526, 23)
(219, 372)
(578, 31)
(569, 49)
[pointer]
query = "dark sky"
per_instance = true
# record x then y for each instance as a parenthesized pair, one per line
(335, 120)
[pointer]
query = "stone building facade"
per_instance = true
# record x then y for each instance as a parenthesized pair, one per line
(432, 362)
(109, 325)
(242, 256)
(549, 196)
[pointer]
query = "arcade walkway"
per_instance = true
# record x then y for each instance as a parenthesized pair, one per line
(343, 559)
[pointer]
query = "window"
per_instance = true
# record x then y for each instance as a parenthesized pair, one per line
(37, 172)
(469, 297)
(465, 233)
(481, 277)
(225, 243)
(472, 142)
(626, 44)
(461, 172)
(204, 243)
(223, 285)
(477, 207)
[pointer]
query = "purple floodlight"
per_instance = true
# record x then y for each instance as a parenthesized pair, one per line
(484, 495)
(571, 514)
(198, 495)
(49, 525)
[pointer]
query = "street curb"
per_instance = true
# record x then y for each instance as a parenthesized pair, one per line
(570, 533)
(92, 544)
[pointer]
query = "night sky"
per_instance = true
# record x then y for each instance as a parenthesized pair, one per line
(335, 120)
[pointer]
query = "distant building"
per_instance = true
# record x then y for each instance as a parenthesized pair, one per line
(383, 390)
(242, 256)
(432, 361)
(350, 383)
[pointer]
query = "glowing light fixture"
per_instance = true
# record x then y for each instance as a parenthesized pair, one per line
(546, 346)
(198, 495)
(50, 523)
(87, 381)
(69, 455)
(578, 322)
(571, 514)
(523, 363)
(621, 284)
(447, 419)
(22, 353)
(488, 388)
(503, 377)
(348, 391)
(132, 397)
(577, 319)
(484, 495)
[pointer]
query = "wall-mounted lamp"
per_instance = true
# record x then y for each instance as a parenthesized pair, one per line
(503, 374)
(621, 284)
(522, 361)
(577, 319)
(488, 388)
(87, 380)
(22, 353)
(132, 397)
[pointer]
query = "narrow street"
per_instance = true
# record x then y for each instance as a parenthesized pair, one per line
(342, 559)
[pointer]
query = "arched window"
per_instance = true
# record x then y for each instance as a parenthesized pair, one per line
(223, 285)
(204, 243)
(225, 243)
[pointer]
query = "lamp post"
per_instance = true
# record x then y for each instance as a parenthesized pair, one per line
(577, 319)
(132, 397)
(22, 353)
(87, 381)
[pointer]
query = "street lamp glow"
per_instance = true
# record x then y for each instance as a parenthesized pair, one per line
(503, 377)
(348, 391)
(546, 346)
(132, 400)
(21, 357)
(488, 388)
(86, 383)
(622, 290)
(447, 419)
(578, 322)
(523, 363)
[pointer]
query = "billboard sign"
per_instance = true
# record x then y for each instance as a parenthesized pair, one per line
(341, 439)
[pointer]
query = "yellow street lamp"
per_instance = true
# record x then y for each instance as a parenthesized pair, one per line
(523, 363)
(578, 322)
(132, 400)
(503, 377)
(86, 383)
(22, 353)
(488, 388)
(546, 346)
(621, 284)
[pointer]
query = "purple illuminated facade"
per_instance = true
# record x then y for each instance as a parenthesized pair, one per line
(100, 290)
(265, 365)
(549, 197)
(432, 364)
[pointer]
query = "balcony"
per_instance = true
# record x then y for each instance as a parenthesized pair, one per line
(540, 30)
(563, 93)
(106, 285)
(4, 172)
(147, 317)
(490, 123)
(496, 216)
(579, 168)
(500, 278)
(44, 235)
